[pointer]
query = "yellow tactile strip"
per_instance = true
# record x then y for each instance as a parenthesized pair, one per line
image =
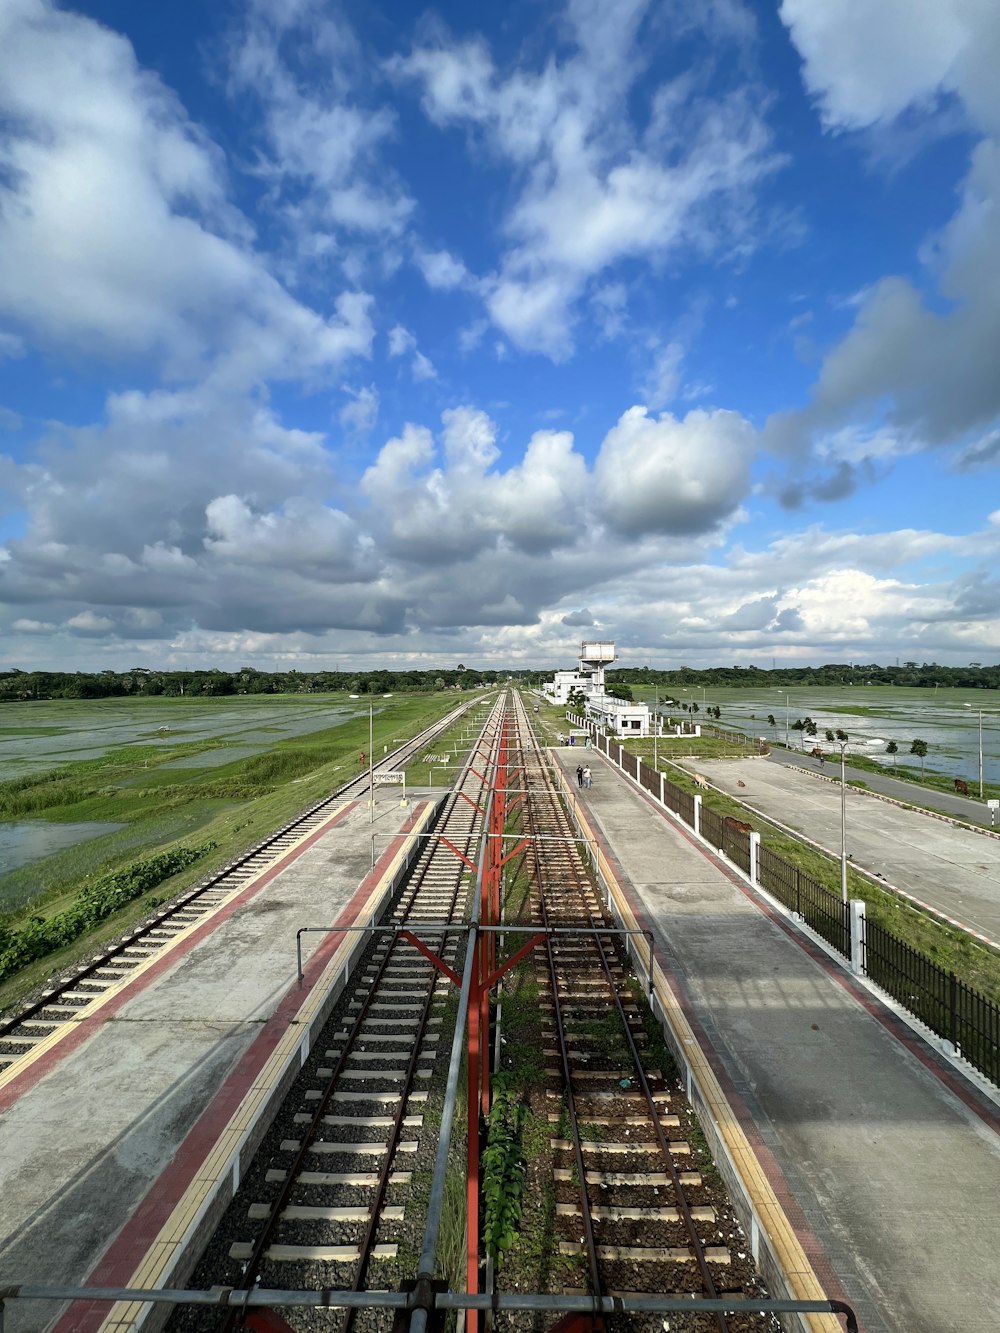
(216, 1171)
(87, 1012)
(776, 1231)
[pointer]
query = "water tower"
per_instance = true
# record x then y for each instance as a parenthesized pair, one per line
(594, 657)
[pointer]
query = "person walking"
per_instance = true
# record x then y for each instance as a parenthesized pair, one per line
(579, 775)
(588, 777)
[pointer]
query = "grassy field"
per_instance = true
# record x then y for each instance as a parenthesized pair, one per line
(159, 806)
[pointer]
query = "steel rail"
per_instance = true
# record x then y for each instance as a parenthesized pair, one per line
(683, 1207)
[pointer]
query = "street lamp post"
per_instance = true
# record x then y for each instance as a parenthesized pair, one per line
(843, 826)
(980, 749)
(371, 764)
(656, 725)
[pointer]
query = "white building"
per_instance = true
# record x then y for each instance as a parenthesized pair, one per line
(617, 716)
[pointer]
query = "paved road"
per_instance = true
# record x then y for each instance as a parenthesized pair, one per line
(961, 807)
(955, 871)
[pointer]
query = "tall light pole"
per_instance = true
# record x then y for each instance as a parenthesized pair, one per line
(371, 764)
(843, 827)
(980, 749)
(656, 724)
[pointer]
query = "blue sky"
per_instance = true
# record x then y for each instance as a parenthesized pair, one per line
(379, 335)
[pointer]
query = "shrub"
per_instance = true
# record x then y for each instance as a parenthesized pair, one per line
(94, 904)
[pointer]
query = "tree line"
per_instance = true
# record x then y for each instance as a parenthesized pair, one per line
(140, 682)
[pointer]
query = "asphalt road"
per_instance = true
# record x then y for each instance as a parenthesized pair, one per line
(961, 807)
(953, 870)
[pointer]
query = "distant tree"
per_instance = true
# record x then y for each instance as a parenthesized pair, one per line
(829, 735)
(810, 727)
(623, 692)
(919, 748)
(841, 734)
(576, 702)
(893, 749)
(771, 722)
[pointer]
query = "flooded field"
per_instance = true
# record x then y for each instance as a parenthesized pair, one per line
(23, 843)
(948, 720)
(44, 735)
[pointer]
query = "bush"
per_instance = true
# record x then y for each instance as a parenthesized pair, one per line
(94, 904)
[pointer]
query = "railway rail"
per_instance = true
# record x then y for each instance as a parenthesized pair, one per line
(346, 1201)
(626, 1202)
(66, 999)
(335, 1194)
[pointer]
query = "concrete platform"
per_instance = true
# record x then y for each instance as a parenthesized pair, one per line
(118, 1118)
(886, 1159)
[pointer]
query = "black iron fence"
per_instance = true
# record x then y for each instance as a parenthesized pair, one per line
(951, 1009)
(948, 1006)
(822, 910)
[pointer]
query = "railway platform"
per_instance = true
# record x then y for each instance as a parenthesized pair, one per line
(885, 1157)
(124, 1134)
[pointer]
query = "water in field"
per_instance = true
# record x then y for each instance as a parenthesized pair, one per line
(23, 843)
(872, 716)
(39, 736)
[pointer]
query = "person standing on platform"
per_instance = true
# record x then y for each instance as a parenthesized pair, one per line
(588, 777)
(579, 775)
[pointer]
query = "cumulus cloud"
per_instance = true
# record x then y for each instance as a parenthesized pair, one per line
(149, 259)
(595, 188)
(664, 475)
(924, 368)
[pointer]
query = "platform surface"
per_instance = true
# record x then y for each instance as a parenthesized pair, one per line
(886, 1159)
(87, 1131)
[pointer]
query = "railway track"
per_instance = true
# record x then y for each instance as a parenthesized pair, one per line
(622, 1192)
(337, 1195)
(620, 1198)
(67, 999)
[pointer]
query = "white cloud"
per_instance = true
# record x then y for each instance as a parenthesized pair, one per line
(325, 165)
(672, 476)
(117, 236)
(869, 63)
(923, 369)
(422, 368)
(401, 341)
(594, 189)
(87, 622)
(33, 626)
(358, 416)
(663, 380)
(442, 270)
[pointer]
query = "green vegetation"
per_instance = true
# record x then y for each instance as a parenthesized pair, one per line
(94, 904)
(503, 1167)
(232, 806)
(142, 683)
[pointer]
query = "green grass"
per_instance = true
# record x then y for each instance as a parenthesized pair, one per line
(236, 806)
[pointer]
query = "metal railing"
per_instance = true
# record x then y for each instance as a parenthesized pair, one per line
(969, 1020)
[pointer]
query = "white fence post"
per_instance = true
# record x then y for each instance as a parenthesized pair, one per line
(859, 959)
(662, 780)
(754, 857)
(697, 814)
